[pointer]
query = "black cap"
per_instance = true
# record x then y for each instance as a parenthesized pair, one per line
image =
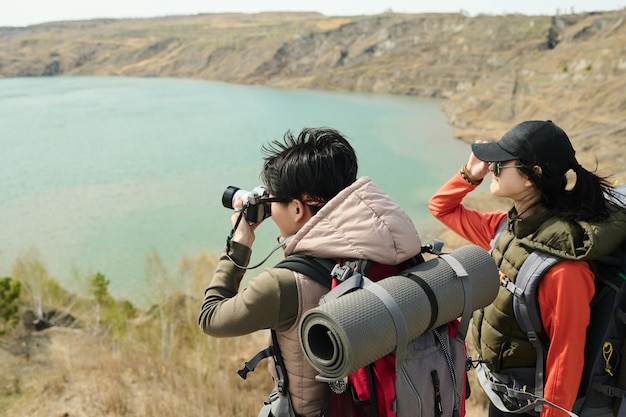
(535, 142)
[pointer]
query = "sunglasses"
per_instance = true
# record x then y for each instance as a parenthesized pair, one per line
(268, 207)
(275, 200)
(497, 166)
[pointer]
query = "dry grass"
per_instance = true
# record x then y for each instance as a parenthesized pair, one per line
(161, 365)
(72, 372)
(158, 364)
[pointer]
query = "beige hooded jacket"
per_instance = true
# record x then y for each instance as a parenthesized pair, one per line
(361, 222)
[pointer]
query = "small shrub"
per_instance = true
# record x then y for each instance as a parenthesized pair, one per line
(114, 315)
(9, 295)
(100, 290)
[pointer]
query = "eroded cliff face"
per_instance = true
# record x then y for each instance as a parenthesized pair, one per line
(493, 71)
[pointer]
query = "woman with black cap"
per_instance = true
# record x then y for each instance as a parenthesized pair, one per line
(529, 165)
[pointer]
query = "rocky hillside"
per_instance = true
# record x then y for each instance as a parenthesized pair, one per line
(493, 71)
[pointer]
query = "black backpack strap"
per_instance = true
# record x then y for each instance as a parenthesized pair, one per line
(372, 402)
(285, 408)
(318, 269)
(252, 363)
(273, 350)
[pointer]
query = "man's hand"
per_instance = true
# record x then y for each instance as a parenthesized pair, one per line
(245, 232)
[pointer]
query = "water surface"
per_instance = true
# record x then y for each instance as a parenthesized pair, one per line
(98, 172)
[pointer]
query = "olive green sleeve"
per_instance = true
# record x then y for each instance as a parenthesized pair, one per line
(269, 301)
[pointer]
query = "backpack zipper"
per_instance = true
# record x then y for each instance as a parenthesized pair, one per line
(437, 388)
(450, 362)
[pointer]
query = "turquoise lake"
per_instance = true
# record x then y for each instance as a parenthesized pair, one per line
(98, 172)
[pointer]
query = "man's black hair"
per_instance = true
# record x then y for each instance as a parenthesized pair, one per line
(319, 162)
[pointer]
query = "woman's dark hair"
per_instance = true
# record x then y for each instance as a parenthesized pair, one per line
(587, 200)
(318, 162)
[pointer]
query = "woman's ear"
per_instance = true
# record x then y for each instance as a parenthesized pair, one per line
(538, 171)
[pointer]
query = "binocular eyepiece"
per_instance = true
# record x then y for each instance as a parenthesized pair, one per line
(255, 210)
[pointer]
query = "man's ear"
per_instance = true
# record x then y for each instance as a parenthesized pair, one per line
(302, 212)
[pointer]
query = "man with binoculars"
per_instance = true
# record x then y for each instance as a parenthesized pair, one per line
(312, 193)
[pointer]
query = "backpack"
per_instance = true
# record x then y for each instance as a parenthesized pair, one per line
(603, 382)
(433, 368)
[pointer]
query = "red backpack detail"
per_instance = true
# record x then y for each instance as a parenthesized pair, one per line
(383, 370)
(434, 367)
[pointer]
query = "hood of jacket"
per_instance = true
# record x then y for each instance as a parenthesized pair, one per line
(575, 240)
(361, 222)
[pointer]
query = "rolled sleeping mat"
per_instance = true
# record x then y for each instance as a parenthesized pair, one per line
(354, 330)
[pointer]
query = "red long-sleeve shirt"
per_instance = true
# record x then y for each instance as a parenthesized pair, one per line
(564, 294)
